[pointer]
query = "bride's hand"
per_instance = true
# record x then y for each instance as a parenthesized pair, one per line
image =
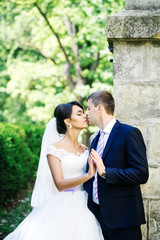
(92, 167)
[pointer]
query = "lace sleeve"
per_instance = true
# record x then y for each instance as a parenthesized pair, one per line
(55, 152)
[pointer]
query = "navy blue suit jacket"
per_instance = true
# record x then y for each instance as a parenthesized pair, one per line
(126, 168)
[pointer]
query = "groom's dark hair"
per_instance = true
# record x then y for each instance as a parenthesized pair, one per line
(105, 99)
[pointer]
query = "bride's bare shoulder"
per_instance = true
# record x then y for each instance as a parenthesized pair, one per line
(62, 143)
(59, 144)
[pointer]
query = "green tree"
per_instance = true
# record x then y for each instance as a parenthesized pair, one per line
(53, 51)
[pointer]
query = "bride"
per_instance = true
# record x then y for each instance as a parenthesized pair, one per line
(59, 202)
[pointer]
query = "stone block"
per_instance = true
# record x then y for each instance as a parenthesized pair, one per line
(154, 220)
(132, 24)
(152, 188)
(154, 144)
(142, 4)
(136, 62)
(144, 226)
(138, 102)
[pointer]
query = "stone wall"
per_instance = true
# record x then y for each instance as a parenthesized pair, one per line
(142, 4)
(136, 74)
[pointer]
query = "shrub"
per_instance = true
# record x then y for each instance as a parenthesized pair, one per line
(19, 155)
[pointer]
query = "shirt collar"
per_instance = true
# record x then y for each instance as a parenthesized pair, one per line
(109, 126)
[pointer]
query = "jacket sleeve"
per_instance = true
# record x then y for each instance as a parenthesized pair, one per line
(137, 166)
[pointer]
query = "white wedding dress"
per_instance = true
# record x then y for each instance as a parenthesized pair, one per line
(65, 216)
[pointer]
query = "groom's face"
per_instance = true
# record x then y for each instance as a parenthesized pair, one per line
(92, 113)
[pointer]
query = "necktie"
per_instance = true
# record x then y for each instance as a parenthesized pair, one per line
(100, 148)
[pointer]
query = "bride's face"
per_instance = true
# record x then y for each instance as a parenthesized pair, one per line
(78, 118)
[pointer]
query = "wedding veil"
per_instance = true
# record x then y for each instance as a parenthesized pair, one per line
(44, 187)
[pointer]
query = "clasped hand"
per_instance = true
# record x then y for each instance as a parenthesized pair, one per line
(95, 163)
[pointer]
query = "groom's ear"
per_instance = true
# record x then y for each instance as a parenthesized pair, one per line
(100, 107)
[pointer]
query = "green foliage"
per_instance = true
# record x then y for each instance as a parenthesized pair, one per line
(34, 137)
(11, 218)
(19, 155)
(50, 50)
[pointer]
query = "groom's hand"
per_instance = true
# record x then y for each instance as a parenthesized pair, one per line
(98, 161)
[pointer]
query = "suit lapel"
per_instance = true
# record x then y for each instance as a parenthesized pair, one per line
(111, 138)
(93, 146)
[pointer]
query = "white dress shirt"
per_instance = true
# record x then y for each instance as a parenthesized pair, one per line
(107, 130)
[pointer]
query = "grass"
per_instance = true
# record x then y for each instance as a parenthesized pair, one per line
(10, 218)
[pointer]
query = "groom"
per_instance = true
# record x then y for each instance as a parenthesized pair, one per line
(119, 152)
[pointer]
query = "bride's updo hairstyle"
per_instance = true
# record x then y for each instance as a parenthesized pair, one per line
(62, 112)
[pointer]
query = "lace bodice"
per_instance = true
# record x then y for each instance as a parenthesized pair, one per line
(72, 164)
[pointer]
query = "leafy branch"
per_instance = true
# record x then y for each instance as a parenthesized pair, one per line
(68, 64)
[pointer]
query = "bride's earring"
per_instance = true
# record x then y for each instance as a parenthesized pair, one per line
(70, 126)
